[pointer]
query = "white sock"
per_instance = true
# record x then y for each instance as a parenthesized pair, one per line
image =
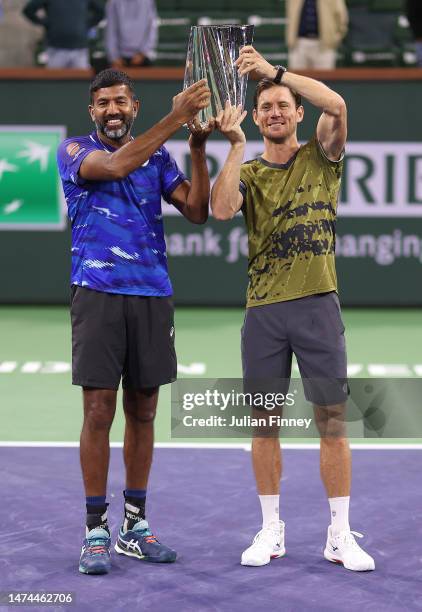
(270, 510)
(339, 508)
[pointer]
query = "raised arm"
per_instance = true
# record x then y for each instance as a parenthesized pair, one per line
(192, 198)
(332, 125)
(104, 166)
(226, 199)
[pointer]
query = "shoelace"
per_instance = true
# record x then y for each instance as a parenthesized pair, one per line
(265, 536)
(348, 538)
(148, 535)
(97, 547)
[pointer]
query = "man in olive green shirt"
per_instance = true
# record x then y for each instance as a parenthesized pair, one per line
(288, 197)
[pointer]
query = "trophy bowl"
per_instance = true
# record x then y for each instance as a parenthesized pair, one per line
(212, 51)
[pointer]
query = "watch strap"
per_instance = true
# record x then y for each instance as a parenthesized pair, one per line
(280, 72)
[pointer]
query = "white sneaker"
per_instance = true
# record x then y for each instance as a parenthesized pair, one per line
(344, 549)
(267, 544)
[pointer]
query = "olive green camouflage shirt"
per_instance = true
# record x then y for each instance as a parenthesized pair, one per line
(290, 212)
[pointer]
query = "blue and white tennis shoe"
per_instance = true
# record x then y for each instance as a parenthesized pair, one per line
(139, 542)
(95, 554)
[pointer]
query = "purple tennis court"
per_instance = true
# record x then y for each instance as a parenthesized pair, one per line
(203, 504)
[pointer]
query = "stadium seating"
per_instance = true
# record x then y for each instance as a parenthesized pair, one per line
(268, 17)
(387, 5)
(379, 33)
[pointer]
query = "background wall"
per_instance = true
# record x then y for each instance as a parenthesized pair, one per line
(380, 217)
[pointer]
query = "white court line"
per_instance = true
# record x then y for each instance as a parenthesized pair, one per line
(13, 444)
(213, 445)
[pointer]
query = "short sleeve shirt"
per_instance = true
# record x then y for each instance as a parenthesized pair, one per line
(117, 229)
(290, 213)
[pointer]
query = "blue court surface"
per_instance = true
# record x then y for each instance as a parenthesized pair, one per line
(203, 503)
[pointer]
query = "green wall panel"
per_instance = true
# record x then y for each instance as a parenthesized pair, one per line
(379, 258)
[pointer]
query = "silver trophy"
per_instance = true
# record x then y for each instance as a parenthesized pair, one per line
(212, 51)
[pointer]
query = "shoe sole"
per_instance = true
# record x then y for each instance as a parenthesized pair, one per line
(96, 573)
(121, 551)
(273, 556)
(333, 559)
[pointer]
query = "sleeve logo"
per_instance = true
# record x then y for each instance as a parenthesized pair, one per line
(72, 149)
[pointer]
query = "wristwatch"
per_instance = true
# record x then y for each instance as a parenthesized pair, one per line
(280, 71)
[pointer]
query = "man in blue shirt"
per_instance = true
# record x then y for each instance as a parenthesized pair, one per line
(122, 311)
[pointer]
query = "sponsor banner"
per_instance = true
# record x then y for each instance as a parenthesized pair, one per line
(378, 260)
(381, 179)
(228, 242)
(31, 196)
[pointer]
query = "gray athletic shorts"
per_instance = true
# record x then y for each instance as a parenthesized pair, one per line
(312, 329)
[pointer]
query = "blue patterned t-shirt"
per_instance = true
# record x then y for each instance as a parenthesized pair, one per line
(117, 229)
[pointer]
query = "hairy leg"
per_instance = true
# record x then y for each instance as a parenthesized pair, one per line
(335, 457)
(266, 456)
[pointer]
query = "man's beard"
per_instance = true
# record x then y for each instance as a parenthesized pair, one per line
(113, 133)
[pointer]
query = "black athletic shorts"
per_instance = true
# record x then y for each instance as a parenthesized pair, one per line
(126, 337)
(311, 328)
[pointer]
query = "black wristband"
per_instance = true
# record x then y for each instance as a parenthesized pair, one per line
(280, 71)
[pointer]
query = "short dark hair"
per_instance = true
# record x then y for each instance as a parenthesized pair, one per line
(108, 78)
(264, 84)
